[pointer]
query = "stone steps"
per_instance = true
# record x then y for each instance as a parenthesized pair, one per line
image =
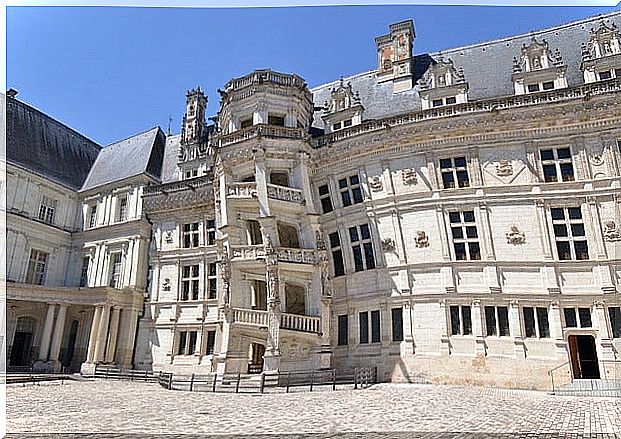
(591, 387)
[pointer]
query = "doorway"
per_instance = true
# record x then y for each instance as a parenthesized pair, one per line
(257, 351)
(22, 342)
(73, 335)
(583, 355)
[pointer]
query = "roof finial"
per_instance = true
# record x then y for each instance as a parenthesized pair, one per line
(169, 123)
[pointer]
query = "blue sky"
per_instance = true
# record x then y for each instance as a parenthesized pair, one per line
(111, 72)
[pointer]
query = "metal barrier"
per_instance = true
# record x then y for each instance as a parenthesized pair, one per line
(113, 373)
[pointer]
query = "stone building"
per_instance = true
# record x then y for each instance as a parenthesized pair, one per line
(450, 217)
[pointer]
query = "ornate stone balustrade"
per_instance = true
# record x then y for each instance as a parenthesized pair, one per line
(177, 186)
(489, 105)
(250, 316)
(284, 193)
(302, 323)
(250, 132)
(249, 252)
(242, 190)
(262, 77)
(297, 255)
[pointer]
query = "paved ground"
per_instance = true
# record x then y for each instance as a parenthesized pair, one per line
(386, 411)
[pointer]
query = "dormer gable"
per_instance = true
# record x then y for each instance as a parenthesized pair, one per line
(538, 69)
(443, 84)
(601, 55)
(394, 55)
(344, 109)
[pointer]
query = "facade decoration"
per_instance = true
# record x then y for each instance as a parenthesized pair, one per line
(388, 245)
(421, 239)
(515, 236)
(601, 54)
(344, 108)
(612, 232)
(166, 284)
(394, 56)
(375, 183)
(504, 168)
(538, 69)
(409, 176)
(443, 84)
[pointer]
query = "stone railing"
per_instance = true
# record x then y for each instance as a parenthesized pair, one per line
(297, 255)
(297, 322)
(585, 91)
(284, 193)
(263, 76)
(242, 190)
(261, 130)
(177, 186)
(250, 252)
(250, 316)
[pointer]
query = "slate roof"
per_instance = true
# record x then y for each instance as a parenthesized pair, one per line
(170, 171)
(140, 154)
(47, 147)
(487, 67)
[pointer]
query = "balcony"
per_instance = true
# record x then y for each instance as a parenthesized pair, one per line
(284, 193)
(242, 190)
(292, 322)
(284, 254)
(262, 130)
(248, 252)
(250, 317)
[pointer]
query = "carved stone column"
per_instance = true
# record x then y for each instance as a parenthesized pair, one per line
(92, 339)
(47, 332)
(261, 180)
(272, 351)
(478, 329)
(125, 355)
(515, 328)
(58, 336)
(556, 330)
(114, 332)
(102, 334)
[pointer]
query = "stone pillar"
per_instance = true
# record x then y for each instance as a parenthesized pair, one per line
(58, 333)
(47, 332)
(477, 328)
(515, 328)
(556, 330)
(114, 331)
(407, 345)
(92, 339)
(102, 334)
(261, 181)
(125, 356)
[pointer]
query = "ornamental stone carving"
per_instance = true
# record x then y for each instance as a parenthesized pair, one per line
(320, 244)
(409, 176)
(375, 183)
(388, 245)
(612, 232)
(515, 236)
(168, 237)
(504, 168)
(166, 284)
(421, 240)
(597, 159)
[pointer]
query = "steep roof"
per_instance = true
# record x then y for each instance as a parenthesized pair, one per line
(140, 154)
(46, 146)
(170, 170)
(487, 67)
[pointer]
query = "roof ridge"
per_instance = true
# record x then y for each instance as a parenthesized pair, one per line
(155, 127)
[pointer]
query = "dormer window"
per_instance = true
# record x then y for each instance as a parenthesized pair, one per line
(442, 84)
(344, 109)
(601, 55)
(538, 69)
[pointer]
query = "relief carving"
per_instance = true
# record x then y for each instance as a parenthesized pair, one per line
(597, 159)
(421, 240)
(166, 284)
(515, 236)
(375, 183)
(388, 245)
(504, 168)
(612, 232)
(168, 237)
(409, 176)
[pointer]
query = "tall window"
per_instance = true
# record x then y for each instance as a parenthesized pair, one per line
(569, 233)
(121, 212)
(497, 320)
(454, 172)
(92, 216)
(397, 324)
(557, 162)
(190, 235)
(37, 262)
(350, 190)
(343, 333)
(211, 342)
(324, 197)
(376, 335)
(584, 317)
(254, 232)
(615, 321)
(538, 327)
(115, 270)
(465, 236)
(364, 327)
(47, 209)
(337, 254)
(362, 247)
(461, 320)
(211, 232)
(189, 282)
(84, 274)
(187, 343)
(213, 281)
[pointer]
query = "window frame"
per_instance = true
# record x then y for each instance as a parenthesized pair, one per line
(191, 279)
(192, 234)
(351, 193)
(455, 172)
(362, 247)
(461, 320)
(122, 208)
(342, 330)
(497, 329)
(36, 270)
(396, 324)
(47, 210)
(537, 322)
(465, 227)
(337, 254)
(212, 280)
(211, 231)
(556, 164)
(571, 227)
(115, 278)
(325, 199)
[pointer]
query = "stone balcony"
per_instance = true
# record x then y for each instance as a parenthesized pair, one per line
(261, 130)
(284, 254)
(242, 190)
(284, 193)
(293, 322)
(178, 194)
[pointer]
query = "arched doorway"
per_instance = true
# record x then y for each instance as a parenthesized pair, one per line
(583, 355)
(22, 342)
(255, 365)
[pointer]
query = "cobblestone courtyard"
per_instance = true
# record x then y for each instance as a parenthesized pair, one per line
(388, 409)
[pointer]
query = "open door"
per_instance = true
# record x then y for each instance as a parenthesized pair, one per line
(583, 356)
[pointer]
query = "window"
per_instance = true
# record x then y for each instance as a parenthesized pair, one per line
(115, 270)
(246, 123)
(92, 216)
(342, 330)
(279, 178)
(362, 247)
(35, 273)
(375, 327)
(548, 85)
(324, 197)
(536, 328)
(555, 162)
(397, 324)
(189, 282)
(364, 327)
(211, 342)
(254, 232)
(211, 232)
(437, 103)
(454, 170)
(337, 126)
(276, 120)
(337, 254)
(451, 100)
(190, 173)
(47, 209)
(605, 75)
(465, 236)
(497, 321)
(190, 235)
(615, 321)
(532, 88)
(461, 320)
(584, 317)
(569, 233)
(84, 274)
(350, 190)
(187, 343)
(121, 214)
(213, 281)
(346, 123)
